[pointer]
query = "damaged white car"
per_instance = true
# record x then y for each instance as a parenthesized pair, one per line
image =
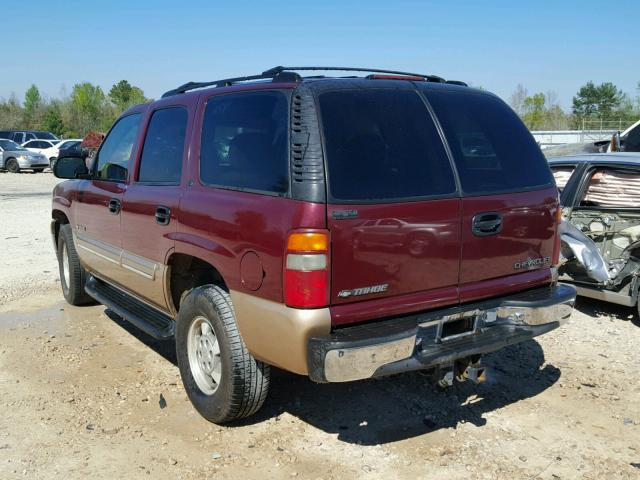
(600, 196)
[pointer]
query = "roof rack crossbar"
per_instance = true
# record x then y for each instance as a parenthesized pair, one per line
(288, 74)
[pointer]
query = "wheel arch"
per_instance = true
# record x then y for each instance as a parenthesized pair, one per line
(58, 218)
(186, 272)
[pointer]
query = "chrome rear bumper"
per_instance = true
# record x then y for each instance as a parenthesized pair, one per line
(437, 338)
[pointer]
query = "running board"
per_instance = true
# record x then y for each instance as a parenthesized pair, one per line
(606, 296)
(146, 318)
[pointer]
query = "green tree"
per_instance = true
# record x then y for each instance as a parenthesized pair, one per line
(32, 104)
(52, 119)
(597, 101)
(87, 108)
(534, 111)
(124, 95)
(11, 113)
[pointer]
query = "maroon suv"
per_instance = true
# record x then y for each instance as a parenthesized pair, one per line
(337, 227)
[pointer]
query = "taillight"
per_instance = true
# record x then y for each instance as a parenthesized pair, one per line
(556, 245)
(306, 277)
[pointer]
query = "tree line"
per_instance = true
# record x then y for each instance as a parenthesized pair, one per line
(593, 106)
(87, 108)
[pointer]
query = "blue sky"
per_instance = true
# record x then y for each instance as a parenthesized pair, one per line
(544, 45)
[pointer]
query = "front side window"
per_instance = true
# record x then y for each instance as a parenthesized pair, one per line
(609, 188)
(382, 145)
(113, 157)
(163, 147)
(492, 149)
(244, 142)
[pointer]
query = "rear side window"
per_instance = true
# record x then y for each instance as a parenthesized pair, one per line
(492, 149)
(381, 145)
(244, 142)
(562, 175)
(113, 158)
(609, 188)
(163, 149)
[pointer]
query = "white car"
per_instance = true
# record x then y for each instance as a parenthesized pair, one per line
(50, 148)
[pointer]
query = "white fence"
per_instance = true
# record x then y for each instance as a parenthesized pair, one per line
(549, 138)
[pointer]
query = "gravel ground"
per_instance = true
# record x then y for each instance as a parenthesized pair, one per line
(84, 394)
(29, 262)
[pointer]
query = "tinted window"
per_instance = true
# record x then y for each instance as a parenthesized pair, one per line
(164, 146)
(492, 148)
(29, 136)
(382, 145)
(244, 141)
(46, 135)
(632, 142)
(5, 134)
(113, 157)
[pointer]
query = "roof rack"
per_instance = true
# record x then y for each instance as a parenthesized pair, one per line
(287, 74)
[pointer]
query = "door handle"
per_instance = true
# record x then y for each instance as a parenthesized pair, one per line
(163, 215)
(486, 224)
(114, 206)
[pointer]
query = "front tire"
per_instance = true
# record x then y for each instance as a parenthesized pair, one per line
(13, 166)
(222, 379)
(72, 274)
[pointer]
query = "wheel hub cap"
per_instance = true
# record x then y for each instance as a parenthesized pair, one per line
(203, 351)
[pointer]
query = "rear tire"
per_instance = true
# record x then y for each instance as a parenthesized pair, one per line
(72, 275)
(12, 165)
(222, 379)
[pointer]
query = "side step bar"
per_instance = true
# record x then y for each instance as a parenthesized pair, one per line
(146, 318)
(607, 296)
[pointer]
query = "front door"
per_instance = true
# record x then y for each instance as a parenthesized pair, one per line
(97, 214)
(150, 205)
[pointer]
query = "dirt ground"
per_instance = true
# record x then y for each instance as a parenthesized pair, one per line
(84, 394)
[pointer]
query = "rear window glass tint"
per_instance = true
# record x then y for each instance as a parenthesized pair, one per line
(612, 188)
(163, 148)
(492, 149)
(244, 142)
(562, 175)
(382, 145)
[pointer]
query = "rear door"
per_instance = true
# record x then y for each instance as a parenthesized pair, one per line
(393, 209)
(509, 202)
(150, 204)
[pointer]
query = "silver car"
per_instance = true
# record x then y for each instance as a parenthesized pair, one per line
(14, 158)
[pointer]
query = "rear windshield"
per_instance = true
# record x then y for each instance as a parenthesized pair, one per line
(492, 149)
(382, 145)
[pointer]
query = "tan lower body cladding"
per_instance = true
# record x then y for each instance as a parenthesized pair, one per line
(277, 334)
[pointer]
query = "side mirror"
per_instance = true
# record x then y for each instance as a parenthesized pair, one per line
(70, 167)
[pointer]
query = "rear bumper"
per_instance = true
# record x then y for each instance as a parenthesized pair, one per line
(437, 338)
